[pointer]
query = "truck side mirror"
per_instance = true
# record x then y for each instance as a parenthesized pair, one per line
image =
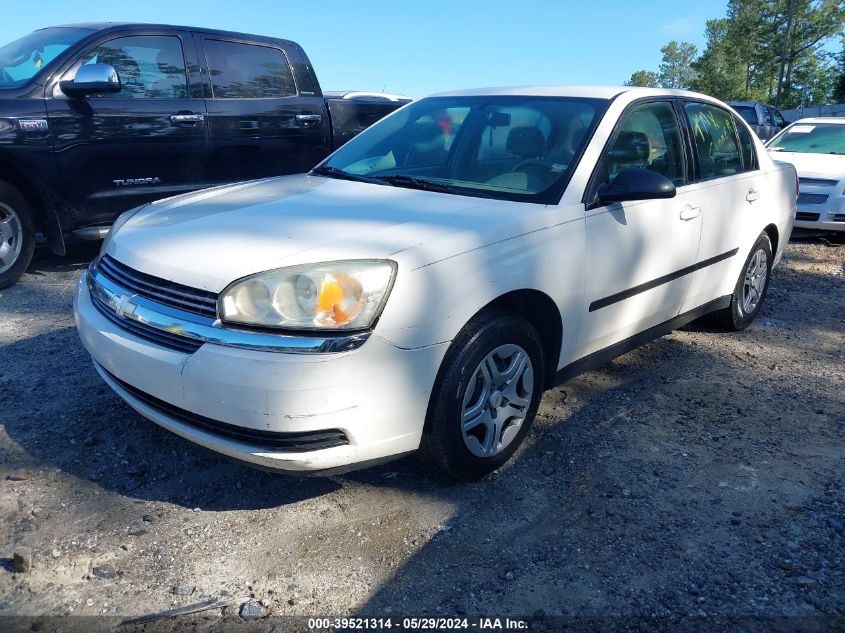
(91, 79)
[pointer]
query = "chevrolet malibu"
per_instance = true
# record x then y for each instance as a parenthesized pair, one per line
(420, 288)
(816, 147)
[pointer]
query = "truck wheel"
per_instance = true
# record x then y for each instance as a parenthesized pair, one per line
(17, 235)
(750, 291)
(485, 397)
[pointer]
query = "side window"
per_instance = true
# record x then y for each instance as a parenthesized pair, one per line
(715, 141)
(649, 137)
(149, 66)
(777, 118)
(247, 71)
(749, 154)
(767, 116)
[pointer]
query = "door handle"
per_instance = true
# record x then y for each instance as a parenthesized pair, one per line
(752, 195)
(186, 119)
(309, 118)
(690, 212)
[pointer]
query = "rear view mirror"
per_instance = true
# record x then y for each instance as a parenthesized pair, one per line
(92, 79)
(636, 183)
(499, 119)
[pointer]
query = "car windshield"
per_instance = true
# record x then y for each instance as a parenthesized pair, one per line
(811, 138)
(507, 147)
(23, 59)
(749, 113)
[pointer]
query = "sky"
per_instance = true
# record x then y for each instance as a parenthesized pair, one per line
(424, 46)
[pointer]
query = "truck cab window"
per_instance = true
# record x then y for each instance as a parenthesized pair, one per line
(150, 67)
(246, 71)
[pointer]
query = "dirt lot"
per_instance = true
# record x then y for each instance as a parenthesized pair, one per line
(702, 475)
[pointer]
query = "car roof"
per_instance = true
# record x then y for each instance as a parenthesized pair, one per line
(823, 119)
(749, 103)
(141, 26)
(594, 92)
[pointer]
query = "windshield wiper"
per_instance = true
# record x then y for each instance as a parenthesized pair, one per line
(334, 172)
(412, 182)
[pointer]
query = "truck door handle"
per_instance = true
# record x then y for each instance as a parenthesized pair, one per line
(752, 195)
(690, 212)
(309, 118)
(186, 118)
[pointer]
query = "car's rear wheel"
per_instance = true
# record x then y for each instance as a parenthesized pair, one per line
(485, 397)
(17, 235)
(751, 287)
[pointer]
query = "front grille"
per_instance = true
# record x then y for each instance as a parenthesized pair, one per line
(817, 182)
(295, 442)
(839, 217)
(159, 290)
(151, 334)
(802, 216)
(812, 198)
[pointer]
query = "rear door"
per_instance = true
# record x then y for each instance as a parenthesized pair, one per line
(732, 198)
(262, 122)
(640, 252)
(118, 150)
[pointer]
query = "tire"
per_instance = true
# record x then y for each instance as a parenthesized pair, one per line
(467, 387)
(17, 235)
(751, 287)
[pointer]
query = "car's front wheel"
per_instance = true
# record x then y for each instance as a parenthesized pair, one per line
(751, 287)
(486, 395)
(17, 235)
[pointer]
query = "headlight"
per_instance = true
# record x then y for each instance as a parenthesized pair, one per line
(343, 295)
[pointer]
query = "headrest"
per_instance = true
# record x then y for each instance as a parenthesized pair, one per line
(526, 142)
(630, 147)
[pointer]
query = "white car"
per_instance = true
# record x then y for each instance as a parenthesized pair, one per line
(816, 147)
(423, 285)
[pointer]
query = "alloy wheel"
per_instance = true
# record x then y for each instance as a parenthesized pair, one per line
(496, 400)
(11, 237)
(755, 281)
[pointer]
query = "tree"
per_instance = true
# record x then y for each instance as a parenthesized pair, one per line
(644, 79)
(839, 88)
(804, 24)
(676, 70)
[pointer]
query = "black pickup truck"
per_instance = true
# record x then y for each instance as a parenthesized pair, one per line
(98, 118)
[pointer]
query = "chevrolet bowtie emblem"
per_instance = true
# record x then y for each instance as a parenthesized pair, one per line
(125, 308)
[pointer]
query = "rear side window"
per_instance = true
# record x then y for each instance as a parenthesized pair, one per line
(247, 71)
(749, 113)
(649, 137)
(149, 66)
(777, 118)
(746, 143)
(714, 138)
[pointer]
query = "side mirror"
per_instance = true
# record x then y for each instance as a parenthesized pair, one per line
(636, 183)
(91, 79)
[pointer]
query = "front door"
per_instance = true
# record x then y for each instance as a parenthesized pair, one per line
(148, 141)
(640, 253)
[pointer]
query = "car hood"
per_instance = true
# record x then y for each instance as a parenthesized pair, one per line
(813, 164)
(208, 239)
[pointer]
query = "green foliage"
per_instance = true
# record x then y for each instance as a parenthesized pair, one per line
(676, 70)
(644, 79)
(764, 50)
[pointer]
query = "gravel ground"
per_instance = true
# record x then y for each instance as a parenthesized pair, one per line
(700, 477)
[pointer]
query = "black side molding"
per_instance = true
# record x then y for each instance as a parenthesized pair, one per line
(598, 304)
(602, 356)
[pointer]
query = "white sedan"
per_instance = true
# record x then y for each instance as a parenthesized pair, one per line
(422, 286)
(816, 147)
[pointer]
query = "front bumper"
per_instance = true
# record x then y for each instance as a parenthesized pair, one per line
(377, 395)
